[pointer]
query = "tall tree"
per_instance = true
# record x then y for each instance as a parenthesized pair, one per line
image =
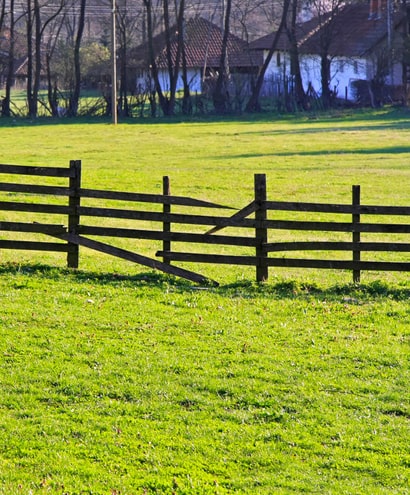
(50, 50)
(221, 95)
(186, 98)
(126, 24)
(406, 50)
(294, 53)
(75, 95)
(253, 104)
(326, 12)
(38, 16)
(173, 51)
(6, 102)
(2, 13)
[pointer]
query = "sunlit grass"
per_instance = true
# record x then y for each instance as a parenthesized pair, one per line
(116, 379)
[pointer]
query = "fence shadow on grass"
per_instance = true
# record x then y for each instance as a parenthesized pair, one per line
(285, 289)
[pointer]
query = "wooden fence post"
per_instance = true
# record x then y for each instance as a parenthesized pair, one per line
(356, 232)
(261, 232)
(166, 226)
(74, 216)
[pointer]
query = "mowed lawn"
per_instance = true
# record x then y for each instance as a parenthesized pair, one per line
(116, 379)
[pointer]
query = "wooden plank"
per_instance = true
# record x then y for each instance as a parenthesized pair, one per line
(136, 258)
(150, 198)
(384, 210)
(34, 189)
(337, 226)
(33, 246)
(209, 258)
(337, 208)
(171, 217)
(172, 236)
(42, 228)
(337, 246)
(39, 171)
(308, 207)
(384, 228)
(245, 212)
(222, 222)
(34, 207)
(288, 262)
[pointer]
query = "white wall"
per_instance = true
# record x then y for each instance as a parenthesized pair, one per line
(194, 80)
(343, 72)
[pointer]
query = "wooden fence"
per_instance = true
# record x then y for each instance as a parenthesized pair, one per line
(259, 229)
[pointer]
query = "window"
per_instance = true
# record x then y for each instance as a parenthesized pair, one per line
(278, 59)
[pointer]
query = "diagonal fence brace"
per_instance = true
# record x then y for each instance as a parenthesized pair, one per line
(136, 258)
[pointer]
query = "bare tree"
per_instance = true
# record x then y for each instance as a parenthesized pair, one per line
(6, 102)
(129, 22)
(294, 53)
(326, 12)
(220, 95)
(173, 51)
(406, 50)
(38, 15)
(75, 95)
(249, 19)
(253, 104)
(50, 50)
(2, 13)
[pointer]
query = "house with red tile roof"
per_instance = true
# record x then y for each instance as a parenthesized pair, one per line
(203, 45)
(363, 42)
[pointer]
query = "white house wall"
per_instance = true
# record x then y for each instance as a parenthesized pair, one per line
(343, 72)
(194, 79)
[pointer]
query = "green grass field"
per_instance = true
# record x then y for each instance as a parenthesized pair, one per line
(115, 379)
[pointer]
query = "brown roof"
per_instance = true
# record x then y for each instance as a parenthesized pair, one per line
(203, 43)
(303, 31)
(352, 32)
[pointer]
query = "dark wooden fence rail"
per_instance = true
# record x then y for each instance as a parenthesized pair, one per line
(179, 222)
(70, 193)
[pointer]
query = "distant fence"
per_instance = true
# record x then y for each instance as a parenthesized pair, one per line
(259, 229)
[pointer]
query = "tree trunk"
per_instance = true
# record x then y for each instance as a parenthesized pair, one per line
(221, 96)
(6, 103)
(152, 61)
(253, 104)
(186, 99)
(325, 78)
(32, 105)
(167, 102)
(52, 89)
(75, 97)
(172, 71)
(37, 65)
(123, 102)
(294, 57)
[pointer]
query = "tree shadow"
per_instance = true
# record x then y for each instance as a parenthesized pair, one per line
(48, 272)
(283, 289)
(349, 293)
(391, 150)
(395, 117)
